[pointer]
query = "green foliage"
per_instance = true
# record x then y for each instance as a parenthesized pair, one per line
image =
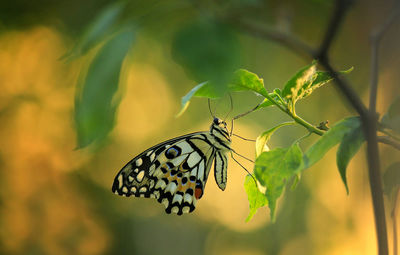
(276, 95)
(273, 168)
(207, 51)
(330, 139)
(391, 119)
(301, 85)
(262, 140)
(349, 146)
(95, 102)
(105, 24)
(304, 82)
(241, 80)
(256, 198)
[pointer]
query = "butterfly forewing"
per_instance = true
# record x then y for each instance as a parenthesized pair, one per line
(174, 172)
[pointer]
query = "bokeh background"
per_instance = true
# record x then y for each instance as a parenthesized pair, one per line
(55, 199)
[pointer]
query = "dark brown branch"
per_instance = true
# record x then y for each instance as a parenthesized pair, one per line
(345, 88)
(376, 37)
(371, 128)
(337, 18)
(387, 140)
(369, 122)
(292, 43)
(369, 118)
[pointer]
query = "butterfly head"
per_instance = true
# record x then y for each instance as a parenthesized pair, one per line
(219, 129)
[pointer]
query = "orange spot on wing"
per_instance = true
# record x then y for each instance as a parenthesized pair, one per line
(198, 193)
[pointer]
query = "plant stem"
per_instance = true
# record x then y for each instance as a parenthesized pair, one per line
(394, 222)
(389, 141)
(393, 136)
(296, 118)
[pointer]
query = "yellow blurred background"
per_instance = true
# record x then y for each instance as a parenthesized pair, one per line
(58, 200)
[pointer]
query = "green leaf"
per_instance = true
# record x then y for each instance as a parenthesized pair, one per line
(392, 118)
(205, 89)
(274, 168)
(255, 197)
(263, 139)
(95, 102)
(276, 95)
(302, 78)
(245, 80)
(305, 81)
(391, 179)
(349, 146)
(208, 51)
(332, 137)
(102, 26)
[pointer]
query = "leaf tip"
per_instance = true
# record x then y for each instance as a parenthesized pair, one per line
(183, 109)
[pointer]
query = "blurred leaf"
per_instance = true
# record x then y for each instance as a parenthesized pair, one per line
(332, 137)
(208, 52)
(274, 168)
(95, 104)
(391, 179)
(204, 89)
(255, 197)
(102, 26)
(392, 118)
(296, 180)
(263, 139)
(349, 146)
(305, 81)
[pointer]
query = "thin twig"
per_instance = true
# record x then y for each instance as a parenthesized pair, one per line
(389, 134)
(387, 140)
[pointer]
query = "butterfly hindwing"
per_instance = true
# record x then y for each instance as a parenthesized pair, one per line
(174, 172)
(220, 169)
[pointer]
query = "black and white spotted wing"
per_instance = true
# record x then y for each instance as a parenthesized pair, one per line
(175, 172)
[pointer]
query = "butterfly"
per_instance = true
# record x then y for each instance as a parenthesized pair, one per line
(175, 172)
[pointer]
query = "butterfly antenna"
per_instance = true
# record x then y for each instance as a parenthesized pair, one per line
(209, 108)
(254, 179)
(230, 99)
(250, 111)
